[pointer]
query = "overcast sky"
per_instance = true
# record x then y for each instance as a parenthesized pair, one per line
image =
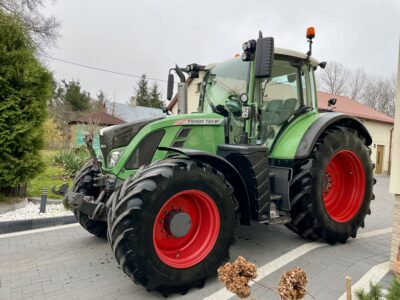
(150, 36)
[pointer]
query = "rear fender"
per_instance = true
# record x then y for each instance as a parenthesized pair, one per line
(324, 122)
(298, 140)
(230, 173)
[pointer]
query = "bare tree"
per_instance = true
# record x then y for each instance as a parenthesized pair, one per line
(356, 84)
(42, 30)
(333, 79)
(380, 93)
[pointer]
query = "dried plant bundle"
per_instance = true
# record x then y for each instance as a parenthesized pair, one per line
(236, 276)
(292, 284)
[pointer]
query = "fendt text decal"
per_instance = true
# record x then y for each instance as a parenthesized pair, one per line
(199, 122)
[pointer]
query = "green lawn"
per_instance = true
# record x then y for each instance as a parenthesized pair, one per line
(52, 175)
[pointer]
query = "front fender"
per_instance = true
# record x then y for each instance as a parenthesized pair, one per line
(229, 171)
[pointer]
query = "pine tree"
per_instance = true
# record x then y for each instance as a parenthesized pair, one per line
(75, 96)
(142, 92)
(155, 97)
(101, 103)
(25, 88)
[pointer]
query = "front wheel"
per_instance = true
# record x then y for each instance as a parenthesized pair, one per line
(83, 183)
(331, 189)
(172, 225)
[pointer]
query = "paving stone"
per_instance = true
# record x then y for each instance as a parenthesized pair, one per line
(63, 296)
(87, 293)
(52, 287)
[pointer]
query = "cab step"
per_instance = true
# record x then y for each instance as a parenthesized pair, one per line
(277, 221)
(276, 197)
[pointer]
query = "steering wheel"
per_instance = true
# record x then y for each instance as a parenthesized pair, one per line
(234, 105)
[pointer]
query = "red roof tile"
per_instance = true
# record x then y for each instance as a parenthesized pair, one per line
(352, 107)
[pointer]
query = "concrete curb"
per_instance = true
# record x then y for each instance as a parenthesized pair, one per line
(29, 224)
(4, 208)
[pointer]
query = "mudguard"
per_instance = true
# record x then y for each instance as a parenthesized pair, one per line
(226, 168)
(325, 121)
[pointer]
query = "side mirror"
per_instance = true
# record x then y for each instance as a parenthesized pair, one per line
(170, 86)
(264, 57)
(332, 101)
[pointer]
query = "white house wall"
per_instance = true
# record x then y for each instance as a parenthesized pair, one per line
(380, 133)
(193, 96)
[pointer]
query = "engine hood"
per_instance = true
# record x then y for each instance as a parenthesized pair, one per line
(120, 135)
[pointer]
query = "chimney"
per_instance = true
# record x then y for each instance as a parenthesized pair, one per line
(133, 101)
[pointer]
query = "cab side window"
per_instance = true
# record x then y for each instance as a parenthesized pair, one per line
(280, 96)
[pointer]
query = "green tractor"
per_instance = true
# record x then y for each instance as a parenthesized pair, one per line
(169, 192)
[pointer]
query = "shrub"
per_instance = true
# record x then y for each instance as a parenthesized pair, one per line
(71, 160)
(25, 88)
(53, 136)
(376, 292)
(394, 290)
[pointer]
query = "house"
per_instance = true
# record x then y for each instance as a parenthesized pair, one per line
(82, 124)
(119, 113)
(379, 125)
(131, 113)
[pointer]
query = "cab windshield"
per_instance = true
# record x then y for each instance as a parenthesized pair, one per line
(224, 81)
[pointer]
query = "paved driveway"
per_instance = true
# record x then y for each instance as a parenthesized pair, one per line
(68, 263)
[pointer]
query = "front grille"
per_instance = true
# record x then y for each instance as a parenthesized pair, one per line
(144, 153)
(184, 132)
(178, 144)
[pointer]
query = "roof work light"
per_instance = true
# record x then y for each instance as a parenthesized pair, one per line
(310, 33)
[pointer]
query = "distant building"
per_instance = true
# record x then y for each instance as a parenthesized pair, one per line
(118, 113)
(379, 125)
(93, 121)
(130, 113)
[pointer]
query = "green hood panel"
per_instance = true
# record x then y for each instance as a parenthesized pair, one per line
(205, 132)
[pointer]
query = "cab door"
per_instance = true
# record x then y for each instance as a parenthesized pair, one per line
(280, 96)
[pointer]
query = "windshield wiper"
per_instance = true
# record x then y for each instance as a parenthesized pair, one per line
(213, 108)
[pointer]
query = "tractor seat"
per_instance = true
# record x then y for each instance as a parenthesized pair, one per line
(288, 108)
(271, 114)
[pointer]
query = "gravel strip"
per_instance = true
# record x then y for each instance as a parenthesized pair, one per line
(31, 211)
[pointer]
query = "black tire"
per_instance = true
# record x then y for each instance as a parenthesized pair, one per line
(310, 217)
(134, 211)
(83, 183)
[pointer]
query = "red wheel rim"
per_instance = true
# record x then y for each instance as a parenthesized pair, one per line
(196, 244)
(344, 186)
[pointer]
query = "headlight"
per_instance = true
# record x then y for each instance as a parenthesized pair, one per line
(113, 158)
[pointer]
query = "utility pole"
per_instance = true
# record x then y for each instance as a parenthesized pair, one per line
(395, 181)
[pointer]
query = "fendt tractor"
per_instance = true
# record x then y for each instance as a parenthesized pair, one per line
(168, 192)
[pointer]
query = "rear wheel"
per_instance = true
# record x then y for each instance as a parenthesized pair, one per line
(83, 183)
(331, 190)
(171, 227)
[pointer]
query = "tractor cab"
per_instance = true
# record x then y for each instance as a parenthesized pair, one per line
(277, 99)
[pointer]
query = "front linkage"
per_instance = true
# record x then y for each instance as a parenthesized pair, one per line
(94, 207)
(91, 189)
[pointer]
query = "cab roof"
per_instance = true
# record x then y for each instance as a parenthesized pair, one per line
(284, 52)
(293, 53)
